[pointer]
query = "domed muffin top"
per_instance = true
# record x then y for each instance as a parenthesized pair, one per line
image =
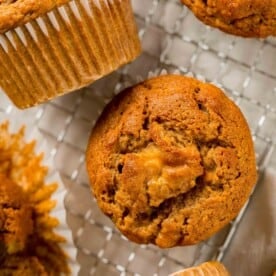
(239, 17)
(171, 161)
(16, 12)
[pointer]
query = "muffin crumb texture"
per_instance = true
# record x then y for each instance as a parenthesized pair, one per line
(239, 17)
(171, 161)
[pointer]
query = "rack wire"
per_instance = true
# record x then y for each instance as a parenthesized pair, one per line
(172, 39)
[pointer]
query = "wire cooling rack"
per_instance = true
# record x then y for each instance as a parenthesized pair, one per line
(172, 38)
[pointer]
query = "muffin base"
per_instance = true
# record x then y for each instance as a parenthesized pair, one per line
(66, 49)
(237, 17)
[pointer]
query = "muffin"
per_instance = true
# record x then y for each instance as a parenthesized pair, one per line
(171, 161)
(238, 17)
(16, 222)
(22, 266)
(25, 217)
(48, 48)
(212, 268)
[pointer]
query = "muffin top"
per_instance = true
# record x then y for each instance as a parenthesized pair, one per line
(16, 222)
(239, 17)
(16, 12)
(171, 161)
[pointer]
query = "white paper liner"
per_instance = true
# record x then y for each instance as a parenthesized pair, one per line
(204, 269)
(28, 118)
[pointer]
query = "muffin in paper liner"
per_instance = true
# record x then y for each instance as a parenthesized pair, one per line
(53, 50)
(130, 147)
(212, 268)
(24, 266)
(50, 245)
(16, 216)
(238, 17)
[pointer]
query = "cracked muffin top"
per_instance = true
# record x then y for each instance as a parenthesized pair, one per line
(16, 222)
(171, 161)
(248, 18)
(16, 12)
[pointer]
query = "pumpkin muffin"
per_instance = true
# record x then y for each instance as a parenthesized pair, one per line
(16, 223)
(171, 161)
(22, 266)
(212, 268)
(245, 18)
(27, 227)
(49, 48)
(25, 251)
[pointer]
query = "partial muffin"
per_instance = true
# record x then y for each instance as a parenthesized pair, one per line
(16, 223)
(212, 268)
(245, 18)
(22, 266)
(48, 48)
(171, 161)
(23, 191)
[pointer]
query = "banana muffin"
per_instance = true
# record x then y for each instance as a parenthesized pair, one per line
(245, 18)
(171, 161)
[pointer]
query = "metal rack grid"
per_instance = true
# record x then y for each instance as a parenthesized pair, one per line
(172, 38)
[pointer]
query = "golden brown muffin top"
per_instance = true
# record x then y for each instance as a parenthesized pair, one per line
(249, 18)
(237, 9)
(171, 161)
(16, 222)
(16, 12)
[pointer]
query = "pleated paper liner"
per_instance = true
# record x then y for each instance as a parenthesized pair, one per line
(46, 194)
(211, 268)
(66, 49)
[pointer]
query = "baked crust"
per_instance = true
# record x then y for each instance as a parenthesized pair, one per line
(17, 12)
(171, 161)
(247, 18)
